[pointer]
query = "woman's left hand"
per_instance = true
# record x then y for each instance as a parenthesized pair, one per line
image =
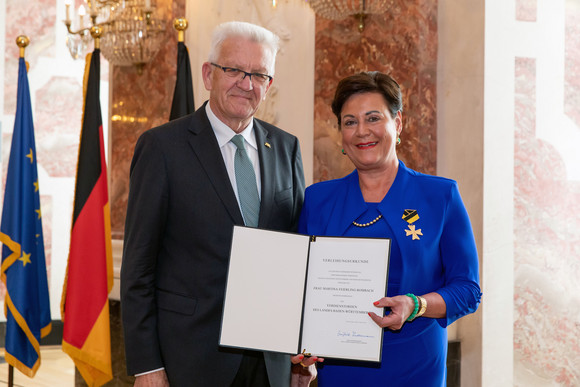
(401, 308)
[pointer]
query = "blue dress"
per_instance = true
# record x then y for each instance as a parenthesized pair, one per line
(437, 254)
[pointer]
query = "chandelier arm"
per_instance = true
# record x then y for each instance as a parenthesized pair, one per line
(106, 3)
(82, 31)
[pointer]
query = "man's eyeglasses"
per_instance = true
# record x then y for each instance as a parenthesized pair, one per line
(239, 75)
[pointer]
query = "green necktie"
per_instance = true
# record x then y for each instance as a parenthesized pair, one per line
(246, 182)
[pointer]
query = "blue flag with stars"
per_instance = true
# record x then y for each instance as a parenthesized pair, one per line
(23, 270)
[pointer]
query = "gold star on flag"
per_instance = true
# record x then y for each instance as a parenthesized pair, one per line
(412, 231)
(35, 186)
(39, 214)
(25, 259)
(30, 156)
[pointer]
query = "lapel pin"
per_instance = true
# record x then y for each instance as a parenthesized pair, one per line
(268, 145)
(411, 216)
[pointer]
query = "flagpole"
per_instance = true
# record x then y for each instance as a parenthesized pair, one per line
(10, 376)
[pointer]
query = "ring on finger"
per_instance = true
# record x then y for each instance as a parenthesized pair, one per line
(303, 365)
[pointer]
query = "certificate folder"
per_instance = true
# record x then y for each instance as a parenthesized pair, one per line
(291, 293)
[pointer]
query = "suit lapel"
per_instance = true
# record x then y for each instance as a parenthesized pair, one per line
(267, 171)
(206, 149)
(393, 206)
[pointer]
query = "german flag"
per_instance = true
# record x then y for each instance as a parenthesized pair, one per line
(89, 278)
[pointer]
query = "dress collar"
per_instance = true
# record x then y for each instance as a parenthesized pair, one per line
(351, 205)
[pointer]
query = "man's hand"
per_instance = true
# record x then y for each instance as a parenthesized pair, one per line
(153, 379)
(303, 370)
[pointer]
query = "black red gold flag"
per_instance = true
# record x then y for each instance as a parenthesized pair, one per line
(89, 279)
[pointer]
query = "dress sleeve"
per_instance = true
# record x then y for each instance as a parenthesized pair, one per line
(303, 221)
(461, 291)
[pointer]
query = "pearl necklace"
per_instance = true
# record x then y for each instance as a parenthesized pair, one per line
(369, 223)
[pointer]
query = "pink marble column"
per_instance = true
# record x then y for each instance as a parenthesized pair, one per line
(140, 102)
(402, 43)
(546, 236)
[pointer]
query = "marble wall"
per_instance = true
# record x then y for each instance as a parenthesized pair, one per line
(140, 102)
(547, 199)
(402, 43)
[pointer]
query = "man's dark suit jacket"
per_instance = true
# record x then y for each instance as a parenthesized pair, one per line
(180, 218)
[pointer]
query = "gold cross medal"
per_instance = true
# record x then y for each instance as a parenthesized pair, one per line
(411, 216)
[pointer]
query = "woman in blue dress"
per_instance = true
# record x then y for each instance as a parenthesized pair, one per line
(434, 271)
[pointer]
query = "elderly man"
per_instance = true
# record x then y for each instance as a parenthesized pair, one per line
(192, 180)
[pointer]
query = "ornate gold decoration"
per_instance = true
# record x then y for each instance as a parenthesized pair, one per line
(180, 25)
(22, 41)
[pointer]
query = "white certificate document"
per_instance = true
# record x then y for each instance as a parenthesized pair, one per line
(345, 277)
(292, 293)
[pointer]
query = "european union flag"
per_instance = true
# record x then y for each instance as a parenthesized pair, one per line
(23, 268)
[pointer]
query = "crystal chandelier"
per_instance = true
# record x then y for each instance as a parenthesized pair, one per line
(131, 35)
(341, 9)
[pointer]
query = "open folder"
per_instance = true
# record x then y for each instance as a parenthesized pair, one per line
(295, 293)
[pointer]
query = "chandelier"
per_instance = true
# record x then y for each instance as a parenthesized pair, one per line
(131, 35)
(341, 9)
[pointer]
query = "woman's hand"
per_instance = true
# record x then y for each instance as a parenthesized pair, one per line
(401, 308)
(303, 370)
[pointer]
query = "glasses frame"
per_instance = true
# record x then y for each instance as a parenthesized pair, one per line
(237, 71)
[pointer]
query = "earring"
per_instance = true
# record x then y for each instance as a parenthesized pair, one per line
(343, 152)
(398, 140)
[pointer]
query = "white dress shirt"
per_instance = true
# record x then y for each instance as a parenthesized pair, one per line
(224, 134)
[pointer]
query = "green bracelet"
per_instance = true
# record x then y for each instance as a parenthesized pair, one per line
(416, 301)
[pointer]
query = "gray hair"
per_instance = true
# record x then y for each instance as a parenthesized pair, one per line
(252, 32)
